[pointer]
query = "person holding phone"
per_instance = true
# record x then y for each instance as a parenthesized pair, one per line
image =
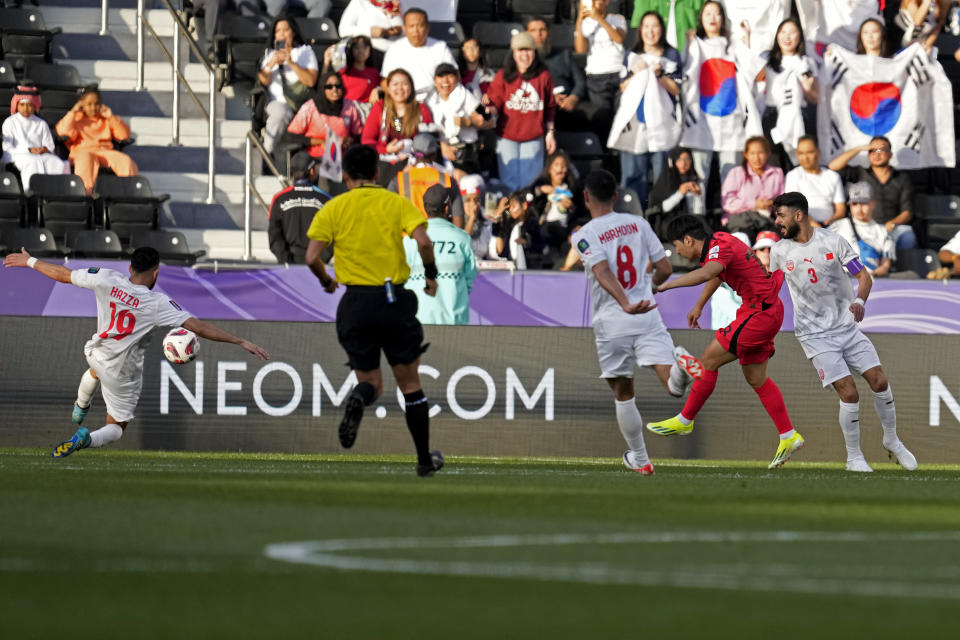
(289, 71)
(90, 128)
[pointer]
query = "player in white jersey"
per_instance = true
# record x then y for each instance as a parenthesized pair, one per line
(616, 249)
(817, 266)
(127, 310)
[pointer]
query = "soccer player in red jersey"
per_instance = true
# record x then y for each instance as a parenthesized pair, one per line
(749, 338)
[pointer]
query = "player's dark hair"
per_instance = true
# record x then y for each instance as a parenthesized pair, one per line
(416, 10)
(601, 185)
(144, 259)
(793, 200)
(692, 226)
(360, 162)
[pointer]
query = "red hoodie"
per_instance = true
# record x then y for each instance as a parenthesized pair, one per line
(524, 106)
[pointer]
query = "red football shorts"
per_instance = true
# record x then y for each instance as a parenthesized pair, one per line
(750, 336)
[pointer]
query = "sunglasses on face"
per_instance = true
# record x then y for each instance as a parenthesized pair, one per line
(333, 86)
(880, 150)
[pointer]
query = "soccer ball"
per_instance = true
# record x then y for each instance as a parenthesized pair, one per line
(180, 345)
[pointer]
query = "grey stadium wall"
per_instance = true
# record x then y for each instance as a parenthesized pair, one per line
(513, 391)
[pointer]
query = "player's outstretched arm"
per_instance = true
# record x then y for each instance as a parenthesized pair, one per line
(212, 332)
(705, 273)
(23, 259)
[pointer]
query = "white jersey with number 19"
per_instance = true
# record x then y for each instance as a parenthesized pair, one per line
(628, 244)
(126, 313)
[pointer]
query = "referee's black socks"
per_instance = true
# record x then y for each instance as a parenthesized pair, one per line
(366, 391)
(418, 422)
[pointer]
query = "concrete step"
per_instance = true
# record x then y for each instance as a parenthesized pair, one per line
(77, 19)
(159, 104)
(115, 46)
(197, 215)
(184, 159)
(222, 244)
(192, 187)
(193, 132)
(117, 75)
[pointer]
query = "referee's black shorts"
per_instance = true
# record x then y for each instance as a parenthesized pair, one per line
(367, 324)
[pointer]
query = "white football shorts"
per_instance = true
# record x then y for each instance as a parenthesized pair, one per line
(619, 357)
(841, 354)
(120, 389)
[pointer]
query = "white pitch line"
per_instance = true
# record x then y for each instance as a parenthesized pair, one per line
(738, 576)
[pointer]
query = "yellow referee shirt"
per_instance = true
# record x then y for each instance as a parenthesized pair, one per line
(367, 224)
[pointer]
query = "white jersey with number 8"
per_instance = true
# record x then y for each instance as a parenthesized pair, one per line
(628, 245)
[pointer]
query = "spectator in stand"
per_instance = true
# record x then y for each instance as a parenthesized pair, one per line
(748, 190)
(394, 121)
(425, 170)
(417, 53)
(821, 186)
(678, 191)
(456, 264)
(792, 92)
(520, 239)
(574, 111)
(653, 52)
(27, 140)
(476, 223)
(949, 254)
(759, 18)
(90, 128)
(765, 240)
(679, 16)
(600, 35)
(922, 21)
(558, 197)
(289, 72)
(455, 113)
(379, 20)
(327, 111)
(890, 188)
(474, 72)
(872, 40)
(521, 94)
(360, 79)
(868, 238)
(292, 211)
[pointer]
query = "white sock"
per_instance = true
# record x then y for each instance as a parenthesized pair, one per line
(883, 403)
(676, 381)
(88, 386)
(684, 420)
(631, 426)
(786, 435)
(105, 435)
(850, 426)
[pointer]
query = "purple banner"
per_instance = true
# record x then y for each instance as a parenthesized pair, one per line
(499, 298)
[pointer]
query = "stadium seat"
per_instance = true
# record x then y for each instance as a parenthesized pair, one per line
(935, 216)
(939, 233)
(579, 143)
(677, 261)
(24, 35)
(450, 32)
(59, 86)
(561, 36)
(496, 35)
(628, 202)
(171, 245)
(919, 261)
(61, 204)
(8, 82)
(13, 204)
(94, 243)
(127, 204)
(319, 32)
(38, 242)
(522, 10)
(239, 44)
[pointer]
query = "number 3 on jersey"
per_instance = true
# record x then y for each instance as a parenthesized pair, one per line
(125, 321)
(813, 274)
(626, 269)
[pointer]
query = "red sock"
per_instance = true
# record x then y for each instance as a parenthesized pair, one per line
(772, 401)
(699, 393)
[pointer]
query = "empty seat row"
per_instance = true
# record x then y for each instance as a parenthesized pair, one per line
(24, 35)
(97, 243)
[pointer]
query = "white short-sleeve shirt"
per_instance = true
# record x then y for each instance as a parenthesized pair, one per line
(603, 54)
(822, 190)
(302, 56)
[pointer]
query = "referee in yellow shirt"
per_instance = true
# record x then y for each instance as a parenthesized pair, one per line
(366, 226)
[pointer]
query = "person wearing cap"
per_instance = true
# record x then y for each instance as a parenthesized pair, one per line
(891, 189)
(27, 140)
(521, 94)
(867, 237)
(765, 240)
(456, 264)
(417, 53)
(475, 223)
(378, 313)
(293, 209)
(458, 114)
(412, 181)
(600, 35)
(821, 186)
(819, 268)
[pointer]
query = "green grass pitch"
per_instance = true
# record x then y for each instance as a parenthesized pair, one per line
(123, 544)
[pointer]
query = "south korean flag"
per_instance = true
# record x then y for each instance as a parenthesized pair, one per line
(329, 165)
(646, 120)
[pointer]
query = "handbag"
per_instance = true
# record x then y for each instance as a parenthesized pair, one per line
(295, 94)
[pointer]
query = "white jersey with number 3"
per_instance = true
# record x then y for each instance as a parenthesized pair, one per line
(628, 245)
(126, 313)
